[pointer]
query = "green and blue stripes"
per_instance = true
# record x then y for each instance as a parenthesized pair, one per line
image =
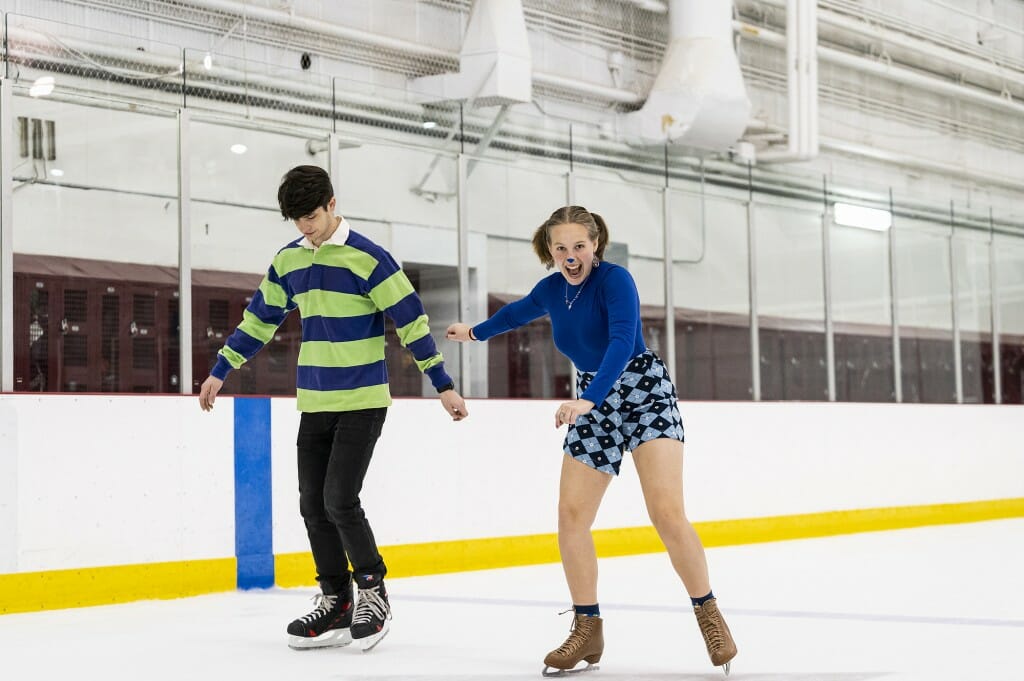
(342, 293)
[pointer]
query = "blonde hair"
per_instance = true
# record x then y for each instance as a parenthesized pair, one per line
(596, 228)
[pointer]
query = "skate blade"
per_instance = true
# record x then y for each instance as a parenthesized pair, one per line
(370, 642)
(335, 638)
(725, 668)
(554, 673)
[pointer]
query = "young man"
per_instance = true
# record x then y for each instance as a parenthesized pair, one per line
(343, 284)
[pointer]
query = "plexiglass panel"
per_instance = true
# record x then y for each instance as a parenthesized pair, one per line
(862, 314)
(404, 199)
(237, 229)
(925, 311)
(95, 126)
(791, 303)
(506, 202)
(95, 229)
(1010, 279)
(974, 313)
(711, 297)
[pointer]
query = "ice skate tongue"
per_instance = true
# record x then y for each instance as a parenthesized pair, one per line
(367, 581)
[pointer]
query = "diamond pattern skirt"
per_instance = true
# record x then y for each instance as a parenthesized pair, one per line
(640, 407)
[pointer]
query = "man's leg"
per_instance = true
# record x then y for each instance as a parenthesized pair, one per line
(354, 438)
(315, 442)
(330, 621)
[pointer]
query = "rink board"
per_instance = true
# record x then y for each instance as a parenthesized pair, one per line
(119, 498)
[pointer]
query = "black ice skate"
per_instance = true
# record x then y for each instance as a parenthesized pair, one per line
(373, 612)
(327, 626)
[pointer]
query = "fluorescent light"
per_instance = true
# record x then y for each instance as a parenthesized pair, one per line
(208, 61)
(56, 172)
(42, 86)
(428, 125)
(861, 216)
(239, 149)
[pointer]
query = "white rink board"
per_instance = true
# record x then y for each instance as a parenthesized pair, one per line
(120, 480)
(496, 473)
(776, 458)
(114, 480)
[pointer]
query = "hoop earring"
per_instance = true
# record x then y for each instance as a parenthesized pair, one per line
(597, 261)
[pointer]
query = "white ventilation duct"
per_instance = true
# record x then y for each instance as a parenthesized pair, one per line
(494, 62)
(698, 99)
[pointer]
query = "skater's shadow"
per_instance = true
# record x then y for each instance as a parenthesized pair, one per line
(755, 676)
(603, 675)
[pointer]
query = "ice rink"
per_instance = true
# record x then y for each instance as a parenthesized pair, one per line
(938, 603)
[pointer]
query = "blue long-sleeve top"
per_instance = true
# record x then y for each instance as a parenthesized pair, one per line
(600, 333)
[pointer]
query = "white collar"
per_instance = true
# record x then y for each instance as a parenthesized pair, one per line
(339, 237)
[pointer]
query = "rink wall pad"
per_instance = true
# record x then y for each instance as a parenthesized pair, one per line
(116, 498)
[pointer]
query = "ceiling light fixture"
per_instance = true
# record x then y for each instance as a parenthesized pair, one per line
(42, 86)
(861, 216)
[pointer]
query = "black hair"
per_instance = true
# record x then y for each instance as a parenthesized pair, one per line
(304, 189)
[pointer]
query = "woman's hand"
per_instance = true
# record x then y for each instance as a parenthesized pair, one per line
(568, 412)
(459, 332)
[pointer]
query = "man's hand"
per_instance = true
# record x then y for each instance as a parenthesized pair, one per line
(454, 405)
(208, 392)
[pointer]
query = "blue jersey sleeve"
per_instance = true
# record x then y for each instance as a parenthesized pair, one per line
(513, 315)
(265, 313)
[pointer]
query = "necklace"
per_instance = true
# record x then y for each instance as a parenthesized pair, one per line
(568, 303)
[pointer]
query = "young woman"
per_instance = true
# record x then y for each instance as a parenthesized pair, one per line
(626, 402)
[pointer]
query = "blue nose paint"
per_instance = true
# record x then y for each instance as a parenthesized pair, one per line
(570, 260)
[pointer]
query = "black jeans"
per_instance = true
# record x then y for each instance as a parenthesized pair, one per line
(334, 451)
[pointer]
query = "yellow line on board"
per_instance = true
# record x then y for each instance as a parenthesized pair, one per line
(805, 526)
(57, 589)
(30, 591)
(431, 558)
(411, 560)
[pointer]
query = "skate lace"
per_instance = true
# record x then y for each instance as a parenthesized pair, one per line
(371, 604)
(578, 634)
(711, 628)
(324, 604)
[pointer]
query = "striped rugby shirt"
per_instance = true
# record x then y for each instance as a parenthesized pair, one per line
(342, 289)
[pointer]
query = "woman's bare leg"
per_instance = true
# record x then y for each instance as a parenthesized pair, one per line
(579, 496)
(659, 463)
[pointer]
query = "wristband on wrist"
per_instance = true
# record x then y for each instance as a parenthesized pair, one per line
(471, 336)
(450, 385)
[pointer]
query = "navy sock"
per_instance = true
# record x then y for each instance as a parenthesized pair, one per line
(703, 599)
(588, 610)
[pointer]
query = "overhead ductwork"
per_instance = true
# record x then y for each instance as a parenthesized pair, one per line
(801, 84)
(698, 99)
(494, 62)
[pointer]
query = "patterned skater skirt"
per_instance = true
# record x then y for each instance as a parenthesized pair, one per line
(641, 406)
